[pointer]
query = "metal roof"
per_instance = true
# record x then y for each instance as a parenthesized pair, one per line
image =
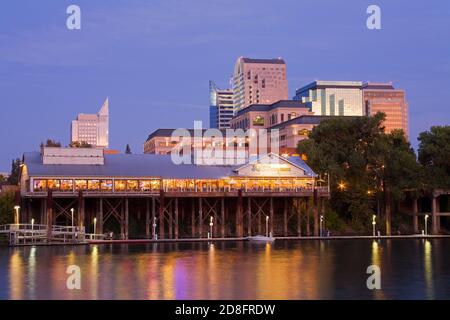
(137, 165)
(274, 61)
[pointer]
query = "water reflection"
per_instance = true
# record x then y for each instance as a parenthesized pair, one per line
(232, 270)
(428, 268)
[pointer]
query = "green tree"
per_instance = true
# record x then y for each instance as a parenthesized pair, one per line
(51, 143)
(434, 155)
(82, 144)
(7, 208)
(365, 165)
(15, 172)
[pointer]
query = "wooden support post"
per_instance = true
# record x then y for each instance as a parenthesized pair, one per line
(222, 214)
(272, 222)
(43, 213)
(176, 218)
(153, 218)
(285, 218)
(434, 217)
(30, 211)
(259, 220)
(316, 213)
(147, 218)
(49, 215)
(127, 219)
(415, 216)
(193, 218)
(239, 218)
(308, 224)
(200, 217)
(299, 217)
(249, 217)
(161, 214)
(81, 211)
(100, 217)
(170, 209)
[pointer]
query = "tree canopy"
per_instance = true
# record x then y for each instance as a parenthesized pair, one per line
(434, 155)
(363, 163)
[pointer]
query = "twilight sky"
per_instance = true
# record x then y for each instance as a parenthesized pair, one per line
(153, 59)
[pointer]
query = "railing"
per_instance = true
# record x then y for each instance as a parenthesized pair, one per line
(205, 189)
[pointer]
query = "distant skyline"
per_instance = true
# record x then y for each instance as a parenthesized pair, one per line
(154, 60)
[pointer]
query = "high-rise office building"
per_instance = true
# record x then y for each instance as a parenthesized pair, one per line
(332, 98)
(259, 81)
(383, 97)
(92, 128)
(221, 108)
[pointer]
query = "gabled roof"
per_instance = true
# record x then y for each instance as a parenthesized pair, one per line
(137, 165)
(295, 161)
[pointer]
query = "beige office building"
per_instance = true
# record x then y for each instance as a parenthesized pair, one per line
(92, 128)
(333, 98)
(259, 81)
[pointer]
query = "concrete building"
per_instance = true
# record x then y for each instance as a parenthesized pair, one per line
(333, 98)
(383, 97)
(92, 128)
(259, 81)
(221, 109)
(264, 116)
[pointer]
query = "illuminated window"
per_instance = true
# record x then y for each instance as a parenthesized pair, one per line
(132, 185)
(258, 121)
(94, 185)
(80, 184)
(53, 184)
(120, 185)
(66, 185)
(40, 185)
(106, 185)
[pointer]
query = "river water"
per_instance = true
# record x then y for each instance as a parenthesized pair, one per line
(308, 269)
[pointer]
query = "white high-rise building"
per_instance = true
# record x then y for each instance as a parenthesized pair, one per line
(332, 98)
(92, 128)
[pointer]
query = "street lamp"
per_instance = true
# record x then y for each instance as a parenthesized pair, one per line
(374, 223)
(95, 226)
(71, 212)
(267, 226)
(16, 216)
(341, 186)
(426, 224)
(32, 229)
(321, 225)
(154, 229)
(211, 226)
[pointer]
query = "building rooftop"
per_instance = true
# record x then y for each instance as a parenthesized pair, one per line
(268, 107)
(306, 119)
(378, 86)
(320, 84)
(273, 61)
(139, 166)
(168, 132)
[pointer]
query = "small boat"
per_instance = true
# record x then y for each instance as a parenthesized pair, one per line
(260, 238)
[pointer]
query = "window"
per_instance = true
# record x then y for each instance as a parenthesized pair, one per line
(53, 184)
(66, 185)
(120, 185)
(80, 185)
(106, 185)
(282, 117)
(258, 121)
(93, 184)
(132, 185)
(40, 185)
